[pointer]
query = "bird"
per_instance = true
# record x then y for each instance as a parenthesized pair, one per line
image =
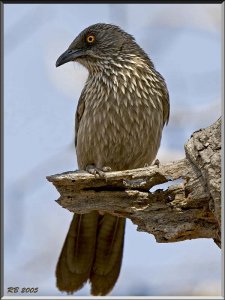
(120, 115)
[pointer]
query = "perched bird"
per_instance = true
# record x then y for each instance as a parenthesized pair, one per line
(119, 120)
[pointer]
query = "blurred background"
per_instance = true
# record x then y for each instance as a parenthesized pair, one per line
(184, 42)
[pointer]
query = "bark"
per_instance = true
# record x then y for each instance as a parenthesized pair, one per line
(188, 207)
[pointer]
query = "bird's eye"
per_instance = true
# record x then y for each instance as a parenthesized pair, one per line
(90, 39)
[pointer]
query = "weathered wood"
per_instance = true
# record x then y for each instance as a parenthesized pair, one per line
(190, 207)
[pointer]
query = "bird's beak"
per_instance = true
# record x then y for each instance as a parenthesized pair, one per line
(69, 55)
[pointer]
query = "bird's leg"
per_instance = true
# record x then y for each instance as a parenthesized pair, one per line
(156, 162)
(92, 169)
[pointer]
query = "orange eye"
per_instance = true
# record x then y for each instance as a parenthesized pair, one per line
(90, 39)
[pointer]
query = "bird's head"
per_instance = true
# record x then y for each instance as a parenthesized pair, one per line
(97, 44)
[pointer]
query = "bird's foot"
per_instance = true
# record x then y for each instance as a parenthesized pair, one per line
(92, 169)
(156, 162)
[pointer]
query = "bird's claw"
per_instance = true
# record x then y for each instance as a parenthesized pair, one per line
(106, 169)
(97, 172)
(156, 162)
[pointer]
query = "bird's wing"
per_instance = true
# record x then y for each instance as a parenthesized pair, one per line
(79, 114)
(166, 106)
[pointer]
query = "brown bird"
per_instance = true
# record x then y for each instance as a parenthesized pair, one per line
(119, 120)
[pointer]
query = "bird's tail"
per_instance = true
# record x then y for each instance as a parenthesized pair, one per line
(108, 255)
(92, 250)
(77, 255)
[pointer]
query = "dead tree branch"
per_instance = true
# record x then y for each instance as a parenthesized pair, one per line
(189, 208)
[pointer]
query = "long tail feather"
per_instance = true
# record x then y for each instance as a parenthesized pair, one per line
(77, 255)
(108, 255)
